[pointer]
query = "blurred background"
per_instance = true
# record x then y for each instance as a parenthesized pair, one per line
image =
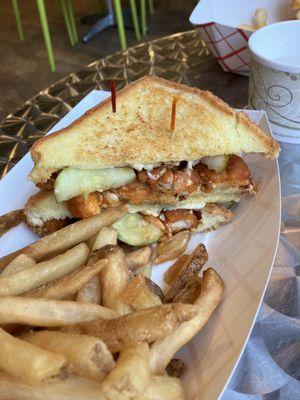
(24, 67)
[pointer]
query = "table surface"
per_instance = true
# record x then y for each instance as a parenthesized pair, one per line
(270, 366)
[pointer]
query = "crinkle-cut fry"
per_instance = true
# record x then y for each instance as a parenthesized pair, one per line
(146, 325)
(88, 356)
(20, 263)
(69, 236)
(63, 288)
(44, 272)
(164, 349)
(106, 235)
(130, 378)
(173, 247)
(164, 388)
(191, 267)
(138, 294)
(190, 292)
(171, 274)
(138, 258)
(73, 388)
(114, 280)
(28, 362)
(10, 220)
(49, 313)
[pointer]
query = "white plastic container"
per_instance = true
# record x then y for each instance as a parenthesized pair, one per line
(218, 22)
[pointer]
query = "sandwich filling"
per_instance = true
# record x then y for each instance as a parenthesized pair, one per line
(171, 197)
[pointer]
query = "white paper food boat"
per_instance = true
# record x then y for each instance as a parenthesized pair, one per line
(242, 252)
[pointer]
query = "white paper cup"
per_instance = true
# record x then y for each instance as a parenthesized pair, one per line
(274, 84)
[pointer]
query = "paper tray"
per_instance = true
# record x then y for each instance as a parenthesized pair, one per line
(242, 252)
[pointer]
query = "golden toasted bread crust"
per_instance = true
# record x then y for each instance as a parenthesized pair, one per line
(139, 132)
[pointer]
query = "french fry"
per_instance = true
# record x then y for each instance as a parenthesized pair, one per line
(138, 258)
(163, 350)
(114, 279)
(131, 376)
(106, 235)
(138, 294)
(68, 236)
(295, 5)
(88, 356)
(155, 289)
(49, 313)
(172, 273)
(146, 271)
(23, 261)
(164, 388)
(90, 292)
(44, 272)
(73, 388)
(247, 27)
(139, 326)
(261, 17)
(173, 247)
(176, 368)
(190, 292)
(191, 267)
(10, 220)
(28, 362)
(63, 288)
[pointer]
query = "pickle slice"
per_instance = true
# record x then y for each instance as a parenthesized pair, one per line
(134, 230)
(72, 182)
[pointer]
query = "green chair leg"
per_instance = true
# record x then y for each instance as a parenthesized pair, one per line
(151, 7)
(72, 20)
(120, 24)
(135, 19)
(44, 23)
(67, 21)
(143, 17)
(18, 19)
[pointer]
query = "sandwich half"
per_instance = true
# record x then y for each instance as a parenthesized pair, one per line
(172, 179)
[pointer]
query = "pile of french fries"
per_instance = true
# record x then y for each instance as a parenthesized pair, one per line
(81, 319)
(260, 20)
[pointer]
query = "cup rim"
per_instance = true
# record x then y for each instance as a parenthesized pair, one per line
(281, 66)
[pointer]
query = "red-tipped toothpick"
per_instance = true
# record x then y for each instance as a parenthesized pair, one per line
(113, 95)
(173, 115)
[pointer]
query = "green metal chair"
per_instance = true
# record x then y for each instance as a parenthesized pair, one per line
(67, 9)
(120, 22)
(114, 16)
(144, 14)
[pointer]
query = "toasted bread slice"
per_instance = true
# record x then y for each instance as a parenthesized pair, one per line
(139, 132)
(42, 207)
